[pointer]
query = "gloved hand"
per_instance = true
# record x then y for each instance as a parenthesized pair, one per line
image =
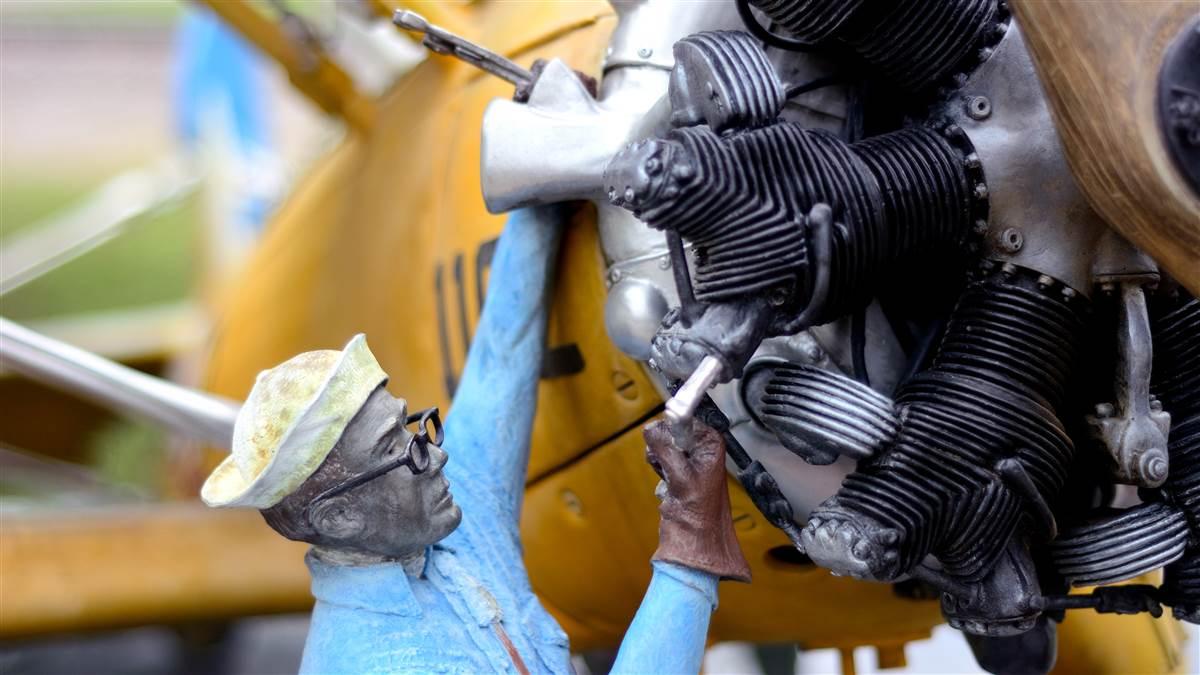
(695, 529)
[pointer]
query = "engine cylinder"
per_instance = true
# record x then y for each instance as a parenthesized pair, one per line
(912, 44)
(740, 200)
(1176, 383)
(984, 410)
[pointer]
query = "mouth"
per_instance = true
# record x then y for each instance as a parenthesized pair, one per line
(445, 498)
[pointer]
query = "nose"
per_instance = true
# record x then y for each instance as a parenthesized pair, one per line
(437, 459)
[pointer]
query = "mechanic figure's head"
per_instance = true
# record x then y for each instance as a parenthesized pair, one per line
(327, 455)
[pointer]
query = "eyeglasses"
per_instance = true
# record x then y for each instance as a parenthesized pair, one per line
(415, 455)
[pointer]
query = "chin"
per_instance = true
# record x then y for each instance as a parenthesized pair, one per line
(448, 519)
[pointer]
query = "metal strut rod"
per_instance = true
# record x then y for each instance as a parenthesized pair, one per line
(119, 388)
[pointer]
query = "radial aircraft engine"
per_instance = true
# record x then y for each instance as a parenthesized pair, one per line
(845, 233)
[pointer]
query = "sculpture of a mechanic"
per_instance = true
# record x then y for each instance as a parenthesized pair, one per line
(408, 578)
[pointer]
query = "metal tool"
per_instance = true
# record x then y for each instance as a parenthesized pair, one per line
(682, 405)
(444, 42)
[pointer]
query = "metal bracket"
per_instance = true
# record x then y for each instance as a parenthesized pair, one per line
(1134, 430)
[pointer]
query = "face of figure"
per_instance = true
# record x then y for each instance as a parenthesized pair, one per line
(396, 514)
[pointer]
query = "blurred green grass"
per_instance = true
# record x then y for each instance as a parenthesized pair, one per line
(150, 263)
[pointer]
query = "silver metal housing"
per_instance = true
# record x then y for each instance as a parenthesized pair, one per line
(555, 147)
(1038, 216)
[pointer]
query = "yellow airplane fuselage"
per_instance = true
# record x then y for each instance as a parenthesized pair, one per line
(389, 236)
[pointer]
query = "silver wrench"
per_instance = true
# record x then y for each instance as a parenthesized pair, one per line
(444, 42)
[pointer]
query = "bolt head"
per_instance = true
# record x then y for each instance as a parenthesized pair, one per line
(1105, 410)
(645, 52)
(979, 107)
(572, 502)
(1012, 240)
(1156, 468)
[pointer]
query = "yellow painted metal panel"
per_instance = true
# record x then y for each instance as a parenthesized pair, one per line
(71, 571)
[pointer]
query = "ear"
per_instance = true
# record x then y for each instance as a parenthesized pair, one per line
(337, 519)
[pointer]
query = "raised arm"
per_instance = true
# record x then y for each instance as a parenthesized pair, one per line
(696, 549)
(491, 418)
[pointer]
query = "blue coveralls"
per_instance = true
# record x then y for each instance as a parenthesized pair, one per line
(380, 619)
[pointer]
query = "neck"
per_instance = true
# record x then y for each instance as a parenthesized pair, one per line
(413, 563)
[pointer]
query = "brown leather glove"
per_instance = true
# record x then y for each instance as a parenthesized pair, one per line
(695, 529)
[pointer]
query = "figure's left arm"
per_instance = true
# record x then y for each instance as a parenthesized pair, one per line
(491, 418)
(696, 549)
(670, 628)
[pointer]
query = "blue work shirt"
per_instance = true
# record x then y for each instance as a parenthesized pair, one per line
(444, 617)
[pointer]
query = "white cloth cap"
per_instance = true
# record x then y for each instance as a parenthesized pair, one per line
(294, 415)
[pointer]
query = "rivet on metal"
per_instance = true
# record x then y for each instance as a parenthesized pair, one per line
(814, 353)
(624, 385)
(979, 107)
(571, 502)
(1012, 240)
(777, 297)
(645, 52)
